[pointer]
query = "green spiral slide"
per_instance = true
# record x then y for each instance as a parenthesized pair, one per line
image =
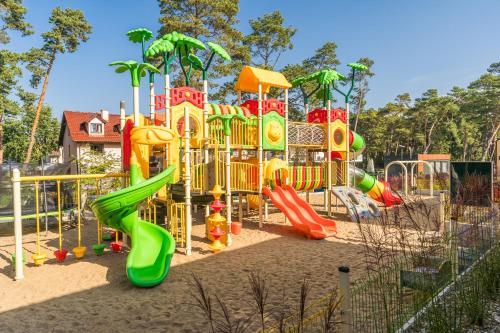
(152, 246)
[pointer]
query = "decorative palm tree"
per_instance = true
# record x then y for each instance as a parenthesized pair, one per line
(184, 45)
(136, 71)
(141, 36)
(355, 66)
(227, 120)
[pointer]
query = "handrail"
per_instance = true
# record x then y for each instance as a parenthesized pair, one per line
(71, 177)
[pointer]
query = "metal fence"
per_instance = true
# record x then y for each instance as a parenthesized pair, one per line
(385, 299)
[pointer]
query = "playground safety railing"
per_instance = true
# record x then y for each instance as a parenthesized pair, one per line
(177, 221)
(91, 184)
(243, 135)
(245, 177)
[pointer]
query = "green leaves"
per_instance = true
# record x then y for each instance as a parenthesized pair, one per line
(323, 77)
(68, 29)
(159, 47)
(298, 81)
(219, 50)
(139, 35)
(197, 63)
(136, 70)
(182, 41)
(357, 66)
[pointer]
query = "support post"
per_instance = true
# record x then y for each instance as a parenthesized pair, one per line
(135, 92)
(240, 208)
(18, 222)
(228, 188)
(122, 125)
(187, 180)
(167, 100)
(248, 205)
(152, 102)
(306, 107)
(345, 303)
(329, 158)
(347, 166)
(260, 152)
(287, 153)
(205, 135)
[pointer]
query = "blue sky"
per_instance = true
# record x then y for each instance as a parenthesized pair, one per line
(416, 45)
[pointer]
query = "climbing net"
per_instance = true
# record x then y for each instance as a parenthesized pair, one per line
(306, 134)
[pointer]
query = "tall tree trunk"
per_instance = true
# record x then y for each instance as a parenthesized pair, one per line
(360, 109)
(466, 144)
(39, 109)
(490, 142)
(1, 137)
(428, 139)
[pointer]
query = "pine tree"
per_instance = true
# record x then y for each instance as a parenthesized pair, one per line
(69, 29)
(208, 21)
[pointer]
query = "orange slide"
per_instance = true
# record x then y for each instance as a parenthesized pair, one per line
(300, 214)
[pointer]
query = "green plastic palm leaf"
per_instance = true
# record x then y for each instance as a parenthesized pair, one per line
(139, 35)
(341, 77)
(197, 63)
(219, 50)
(312, 77)
(136, 70)
(357, 66)
(172, 37)
(298, 81)
(193, 43)
(327, 76)
(159, 47)
(147, 66)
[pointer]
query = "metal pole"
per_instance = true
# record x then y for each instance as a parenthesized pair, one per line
(345, 305)
(260, 152)
(18, 226)
(187, 180)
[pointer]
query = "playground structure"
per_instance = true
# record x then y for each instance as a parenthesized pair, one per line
(208, 149)
(404, 167)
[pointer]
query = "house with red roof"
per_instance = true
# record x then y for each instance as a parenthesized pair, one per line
(89, 131)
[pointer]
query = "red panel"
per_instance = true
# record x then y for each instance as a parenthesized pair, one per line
(273, 105)
(160, 102)
(127, 144)
(251, 105)
(267, 106)
(320, 115)
(179, 95)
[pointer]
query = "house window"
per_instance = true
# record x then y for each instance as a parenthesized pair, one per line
(95, 128)
(96, 147)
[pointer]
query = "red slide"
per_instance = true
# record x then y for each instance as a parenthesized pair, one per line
(300, 214)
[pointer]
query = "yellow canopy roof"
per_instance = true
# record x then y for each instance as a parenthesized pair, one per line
(250, 77)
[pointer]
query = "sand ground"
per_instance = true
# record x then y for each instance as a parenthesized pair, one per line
(94, 295)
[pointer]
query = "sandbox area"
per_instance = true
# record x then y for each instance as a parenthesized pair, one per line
(93, 294)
